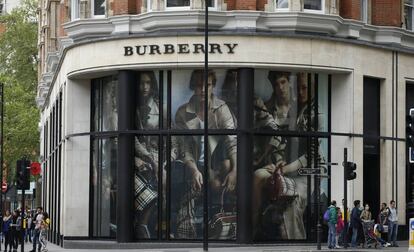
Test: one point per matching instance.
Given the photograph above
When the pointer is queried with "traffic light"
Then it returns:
(22, 174)
(409, 129)
(350, 168)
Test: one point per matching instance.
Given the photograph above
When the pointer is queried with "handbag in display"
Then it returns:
(144, 193)
(282, 187)
(223, 225)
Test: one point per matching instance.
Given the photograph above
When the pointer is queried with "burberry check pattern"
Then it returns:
(144, 195)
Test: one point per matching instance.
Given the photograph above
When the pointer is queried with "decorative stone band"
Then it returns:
(227, 21)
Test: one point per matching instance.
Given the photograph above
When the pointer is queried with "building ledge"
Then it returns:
(276, 22)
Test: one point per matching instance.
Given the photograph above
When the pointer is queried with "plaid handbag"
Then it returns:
(144, 193)
(281, 187)
(223, 225)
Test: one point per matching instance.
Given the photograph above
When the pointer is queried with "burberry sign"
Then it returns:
(225, 48)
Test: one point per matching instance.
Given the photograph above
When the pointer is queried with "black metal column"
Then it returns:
(125, 157)
(245, 91)
(345, 196)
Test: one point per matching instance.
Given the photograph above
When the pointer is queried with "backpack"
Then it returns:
(326, 215)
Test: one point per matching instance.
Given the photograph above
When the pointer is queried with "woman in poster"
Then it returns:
(146, 154)
(222, 149)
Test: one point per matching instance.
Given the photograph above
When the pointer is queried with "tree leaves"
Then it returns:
(18, 73)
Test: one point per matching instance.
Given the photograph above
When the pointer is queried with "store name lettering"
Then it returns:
(226, 48)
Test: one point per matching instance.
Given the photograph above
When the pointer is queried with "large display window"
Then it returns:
(171, 157)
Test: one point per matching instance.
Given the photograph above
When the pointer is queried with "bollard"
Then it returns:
(411, 231)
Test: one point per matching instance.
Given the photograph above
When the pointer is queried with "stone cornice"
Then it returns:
(302, 22)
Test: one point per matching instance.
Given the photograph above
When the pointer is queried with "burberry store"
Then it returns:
(124, 149)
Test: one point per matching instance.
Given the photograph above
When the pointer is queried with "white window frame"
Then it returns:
(321, 11)
(149, 5)
(281, 9)
(74, 10)
(411, 6)
(364, 11)
(93, 10)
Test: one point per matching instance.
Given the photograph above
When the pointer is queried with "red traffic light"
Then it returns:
(4, 187)
(35, 168)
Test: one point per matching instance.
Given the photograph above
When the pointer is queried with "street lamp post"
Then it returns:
(206, 98)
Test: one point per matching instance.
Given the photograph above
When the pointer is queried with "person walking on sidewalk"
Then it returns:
(333, 217)
(6, 231)
(392, 224)
(38, 219)
(339, 226)
(355, 222)
(15, 228)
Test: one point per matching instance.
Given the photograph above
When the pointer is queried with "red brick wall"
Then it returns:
(245, 5)
(63, 17)
(350, 9)
(139, 5)
(261, 4)
(231, 4)
(386, 12)
(125, 7)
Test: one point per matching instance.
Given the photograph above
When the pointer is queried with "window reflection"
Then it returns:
(104, 186)
(312, 4)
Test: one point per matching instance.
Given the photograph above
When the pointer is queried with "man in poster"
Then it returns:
(280, 157)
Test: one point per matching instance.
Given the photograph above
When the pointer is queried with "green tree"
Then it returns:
(18, 73)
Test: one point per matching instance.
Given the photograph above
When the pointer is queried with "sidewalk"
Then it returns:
(274, 248)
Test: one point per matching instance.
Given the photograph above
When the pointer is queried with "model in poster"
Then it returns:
(222, 150)
(146, 154)
(280, 160)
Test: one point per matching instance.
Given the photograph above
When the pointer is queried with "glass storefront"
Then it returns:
(169, 163)
(104, 161)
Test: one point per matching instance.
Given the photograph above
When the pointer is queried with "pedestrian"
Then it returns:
(6, 231)
(366, 214)
(44, 227)
(392, 224)
(15, 228)
(355, 222)
(29, 226)
(333, 217)
(343, 238)
(37, 221)
(382, 217)
(339, 226)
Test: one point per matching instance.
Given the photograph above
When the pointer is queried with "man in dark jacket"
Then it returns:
(333, 218)
(355, 222)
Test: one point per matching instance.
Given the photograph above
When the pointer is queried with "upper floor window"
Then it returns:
(314, 5)
(178, 4)
(184, 4)
(98, 8)
(75, 9)
(409, 13)
(364, 11)
(282, 5)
